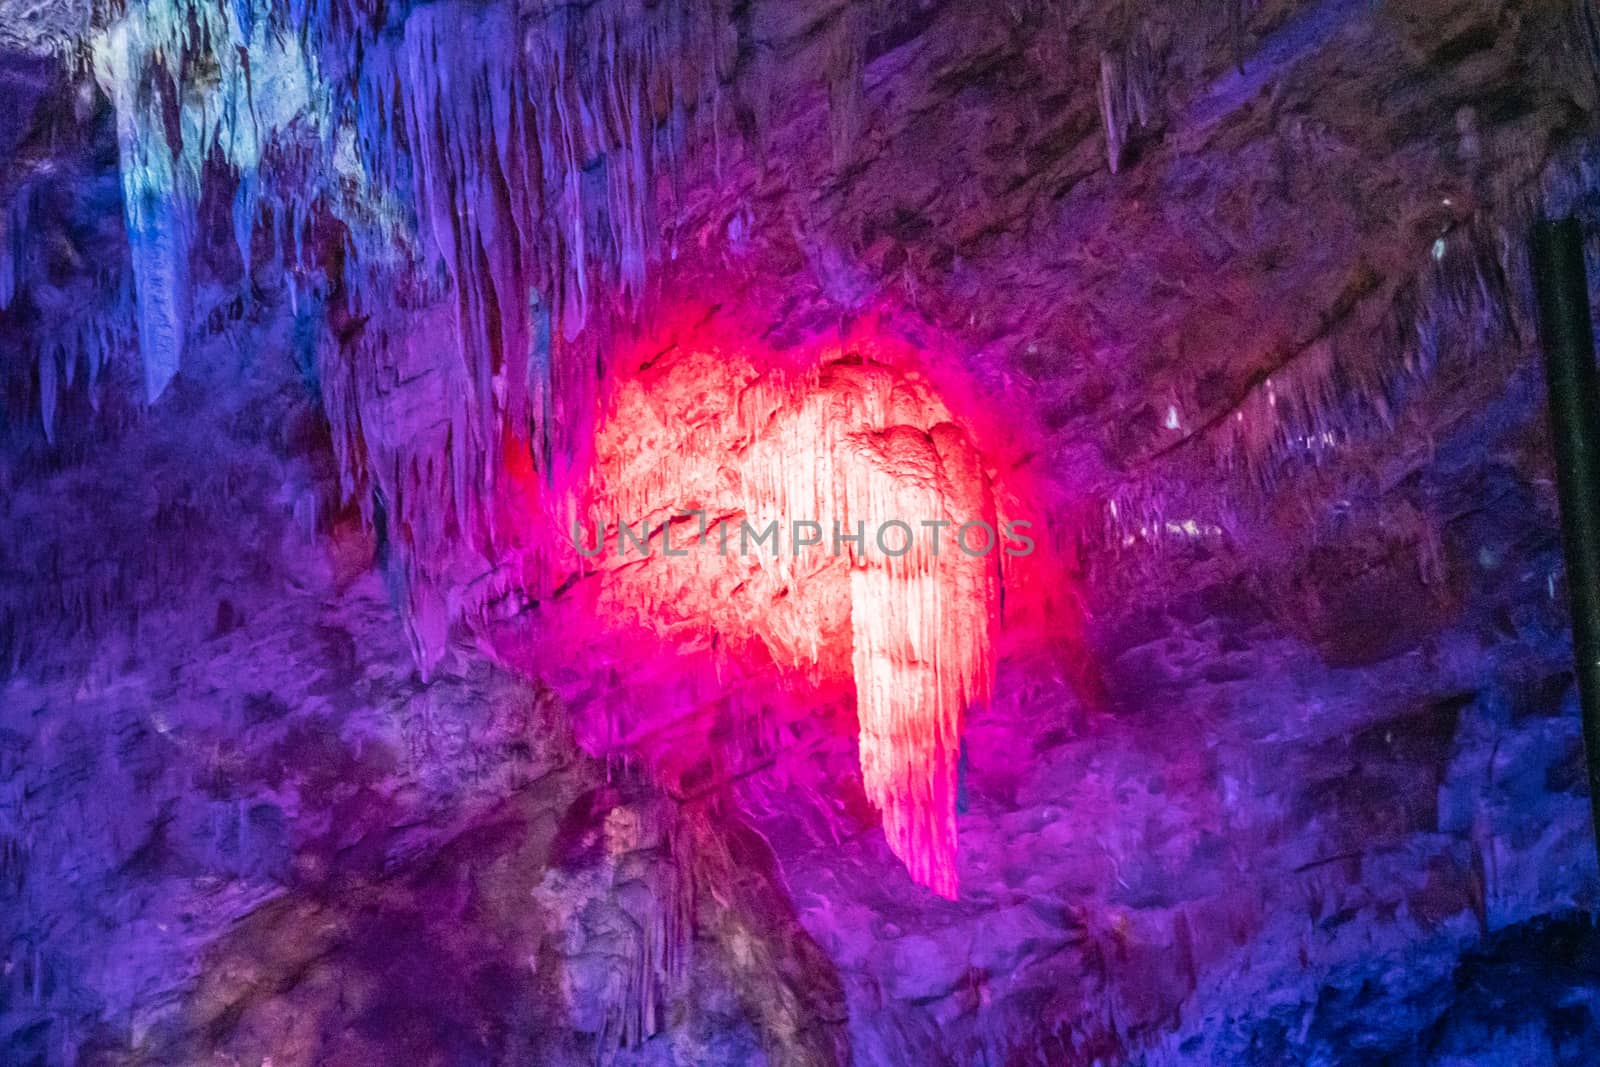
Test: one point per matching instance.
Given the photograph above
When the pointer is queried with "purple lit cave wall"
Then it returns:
(904, 533)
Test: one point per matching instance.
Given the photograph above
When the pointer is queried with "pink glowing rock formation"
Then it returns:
(869, 480)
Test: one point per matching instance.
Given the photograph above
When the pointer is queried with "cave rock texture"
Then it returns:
(906, 533)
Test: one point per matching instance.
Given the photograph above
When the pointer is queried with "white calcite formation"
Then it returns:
(322, 322)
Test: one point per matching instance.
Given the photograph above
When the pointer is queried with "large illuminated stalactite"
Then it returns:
(906, 612)
(921, 642)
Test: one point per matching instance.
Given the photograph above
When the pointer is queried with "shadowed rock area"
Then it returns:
(322, 323)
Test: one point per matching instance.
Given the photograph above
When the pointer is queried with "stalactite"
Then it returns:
(641, 890)
(845, 75)
(659, 962)
(11, 230)
(852, 442)
(210, 65)
(158, 197)
(1129, 93)
(1586, 25)
(922, 647)
(47, 393)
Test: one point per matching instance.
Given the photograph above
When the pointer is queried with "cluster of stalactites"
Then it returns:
(87, 336)
(513, 187)
(229, 83)
(524, 185)
(1129, 93)
(643, 890)
(549, 154)
(1463, 300)
(489, 203)
(1350, 384)
(90, 323)
(659, 965)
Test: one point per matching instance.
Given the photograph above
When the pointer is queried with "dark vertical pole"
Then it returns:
(1568, 335)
